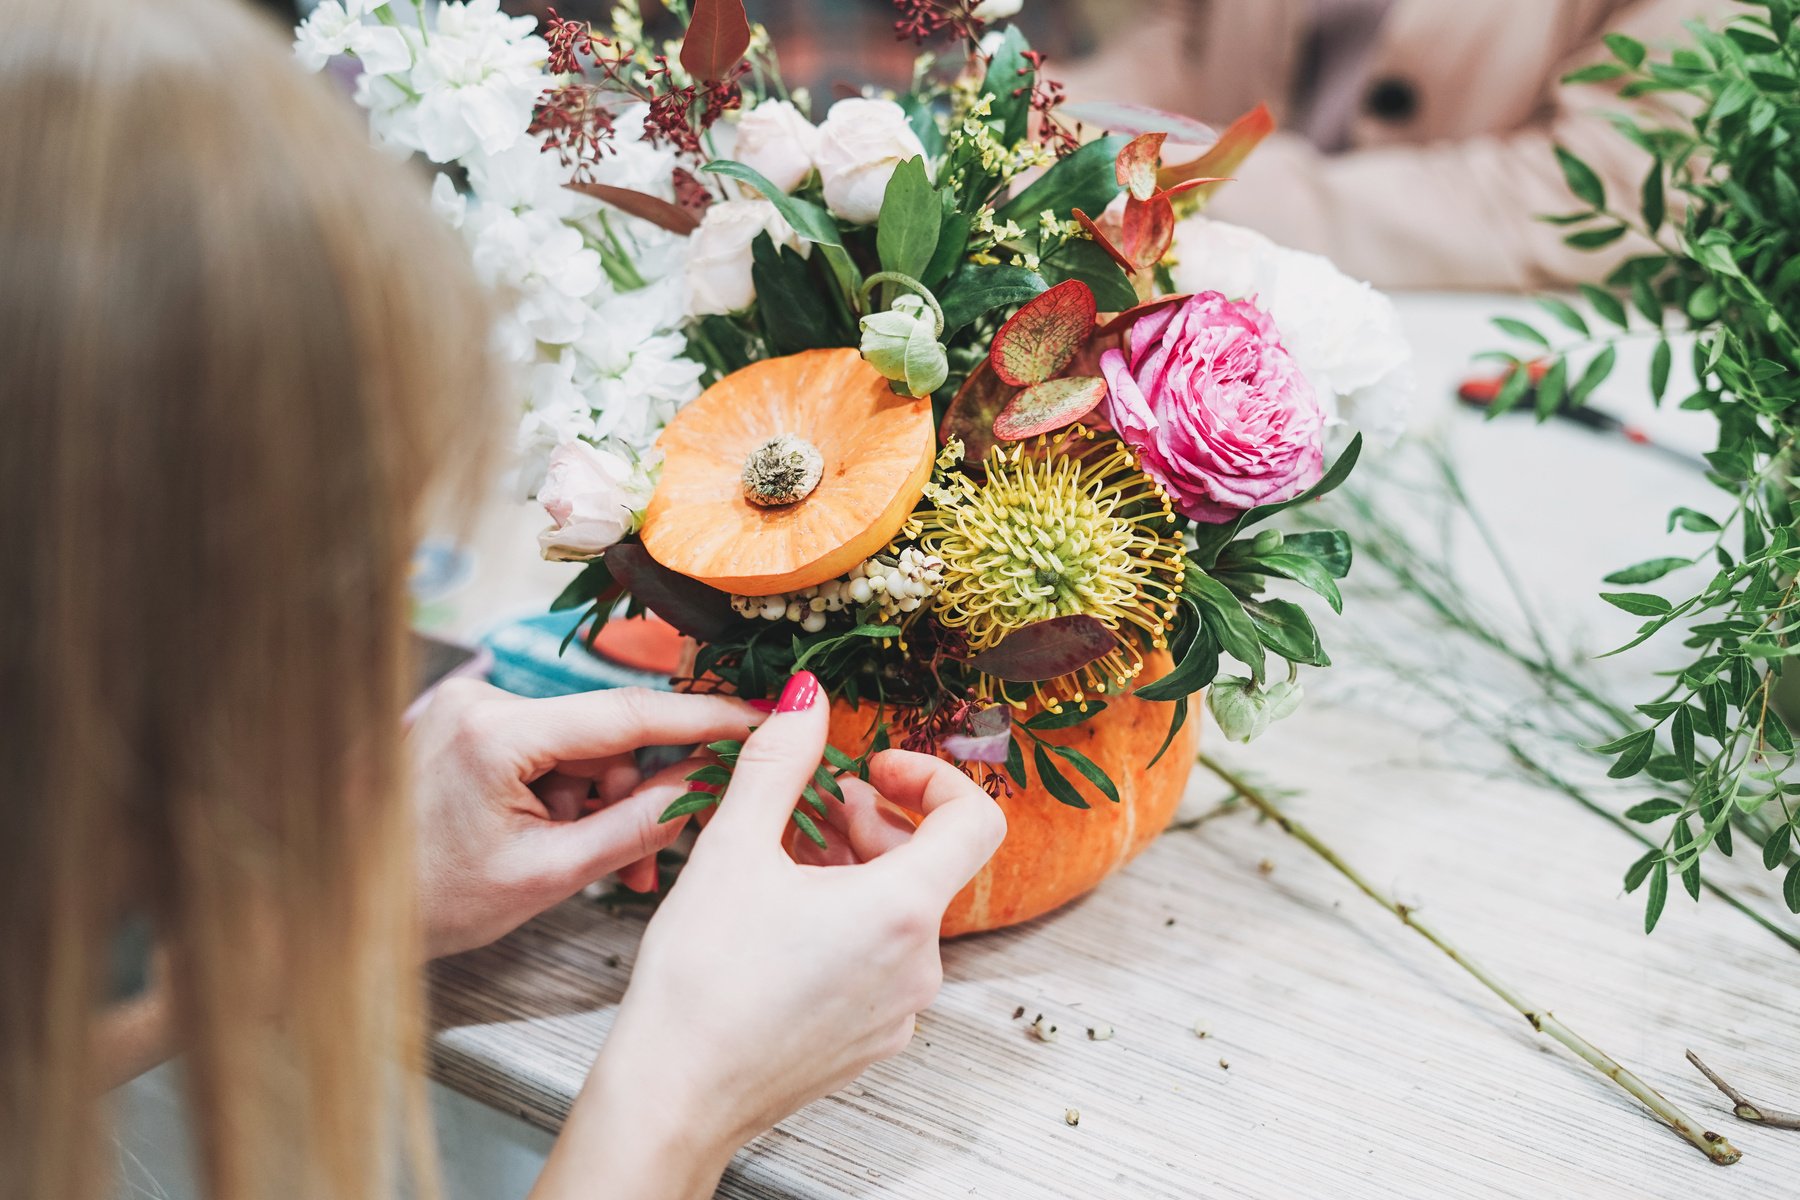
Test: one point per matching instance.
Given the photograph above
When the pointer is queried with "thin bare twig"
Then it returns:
(1744, 1108)
(1713, 1145)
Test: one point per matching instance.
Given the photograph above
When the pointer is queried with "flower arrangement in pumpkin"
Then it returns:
(965, 453)
(952, 398)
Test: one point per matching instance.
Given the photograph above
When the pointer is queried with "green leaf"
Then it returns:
(1176, 721)
(687, 804)
(1330, 546)
(1518, 380)
(1606, 304)
(1650, 569)
(1638, 604)
(1634, 750)
(808, 219)
(1659, 370)
(1597, 73)
(1627, 50)
(713, 773)
(1054, 781)
(1015, 761)
(1681, 734)
(1581, 179)
(1083, 180)
(1659, 896)
(1284, 627)
(1224, 615)
(1652, 197)
(1088, 768)
(1652, 810)
(975, 290)
(1790, 888)
(1563, 312)
(1598, 368)
(1640, 870)
(838, 759)
(795, 312)
(1551, 388)
(1009, 80)
(953, 240)
(1069, 717)
(911, 217)
(1776, 848)
(1303, 569)
(1084, 259)
(1692, 521)
(585, 588)
(1520, 329)
(825, 782)
(809, 829)
(1334, 475)
(1593, 239)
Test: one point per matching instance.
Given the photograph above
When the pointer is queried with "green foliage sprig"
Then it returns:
(1721, 207)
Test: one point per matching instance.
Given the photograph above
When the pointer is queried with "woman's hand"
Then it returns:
(502, 785)
(763, 984)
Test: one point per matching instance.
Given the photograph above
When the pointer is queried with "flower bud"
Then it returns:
(1244, 711)
(902, 344)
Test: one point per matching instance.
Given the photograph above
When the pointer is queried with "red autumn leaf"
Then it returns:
(1104, 242)
(1141, 118)
(1146, 230)
(1050, 405)
(1226, 154)
(1125, 319)
(971, 415)
(692, 607)
(1188, 185)
(1041, 338)
(716, 38)
(653, 209)
(1046, 649)
(1135, 168)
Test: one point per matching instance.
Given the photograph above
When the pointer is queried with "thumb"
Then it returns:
(776, 764)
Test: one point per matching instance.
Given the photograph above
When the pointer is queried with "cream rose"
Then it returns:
(776, 142)
(718, 263)
(593, 496)
(860, 144)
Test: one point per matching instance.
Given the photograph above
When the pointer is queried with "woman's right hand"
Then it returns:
(763, 984)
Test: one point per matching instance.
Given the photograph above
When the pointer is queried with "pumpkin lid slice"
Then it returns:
(788, 473)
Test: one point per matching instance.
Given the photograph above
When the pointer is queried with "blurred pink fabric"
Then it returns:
(1443, 120)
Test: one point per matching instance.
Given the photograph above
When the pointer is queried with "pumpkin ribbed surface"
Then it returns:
(877, 449)
(1052, 852)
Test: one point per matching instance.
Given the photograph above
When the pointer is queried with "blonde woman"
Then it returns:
(237, 358)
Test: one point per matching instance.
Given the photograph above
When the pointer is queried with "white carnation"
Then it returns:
(337, 27)
(1345, 335)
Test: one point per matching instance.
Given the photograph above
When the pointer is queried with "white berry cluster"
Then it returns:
(898, 583)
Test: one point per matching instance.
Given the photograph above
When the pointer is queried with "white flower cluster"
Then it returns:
(895, 583)
(1343, 333)
(597, 298)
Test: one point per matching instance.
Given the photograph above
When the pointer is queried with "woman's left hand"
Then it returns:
(502, 785)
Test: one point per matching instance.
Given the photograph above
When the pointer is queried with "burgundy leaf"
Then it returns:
(1039, 340)
(1125, 319)
(716, 38)
(971, 415)
(1146, 230)
(1048, 406)
(695, 609)
(1046, 649)
(653, 209)
(1135, 168)
(1232, 148)
(1105, 243)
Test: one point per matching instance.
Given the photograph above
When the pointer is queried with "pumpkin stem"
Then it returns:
(783, 470)
(911, 285)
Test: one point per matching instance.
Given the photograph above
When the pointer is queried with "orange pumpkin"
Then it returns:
(820, 415)
(1052, 852)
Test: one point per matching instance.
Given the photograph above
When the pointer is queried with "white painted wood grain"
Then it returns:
(1361, 1063)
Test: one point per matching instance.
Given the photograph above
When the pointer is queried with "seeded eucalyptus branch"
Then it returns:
(1721, 208)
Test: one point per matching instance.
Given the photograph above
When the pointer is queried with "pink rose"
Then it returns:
(588, 493)
(1217, 410)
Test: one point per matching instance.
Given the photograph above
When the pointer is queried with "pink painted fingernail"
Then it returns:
(767, 706)
(801, 690)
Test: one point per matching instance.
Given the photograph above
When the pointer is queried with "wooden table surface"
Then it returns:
(1343, 1056)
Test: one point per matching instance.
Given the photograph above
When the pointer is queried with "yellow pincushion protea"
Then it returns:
(1065, 524)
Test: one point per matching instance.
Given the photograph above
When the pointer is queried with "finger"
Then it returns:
(777, 762)
(547, 732)
(868, 821)
(640, 876)
(563, 796)
(962, 826)
(837, 850)
(579, 852)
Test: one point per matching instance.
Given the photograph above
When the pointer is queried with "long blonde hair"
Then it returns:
(235, 351)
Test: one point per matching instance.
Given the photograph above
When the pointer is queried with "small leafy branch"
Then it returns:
(711, 780)
(1721, 209)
